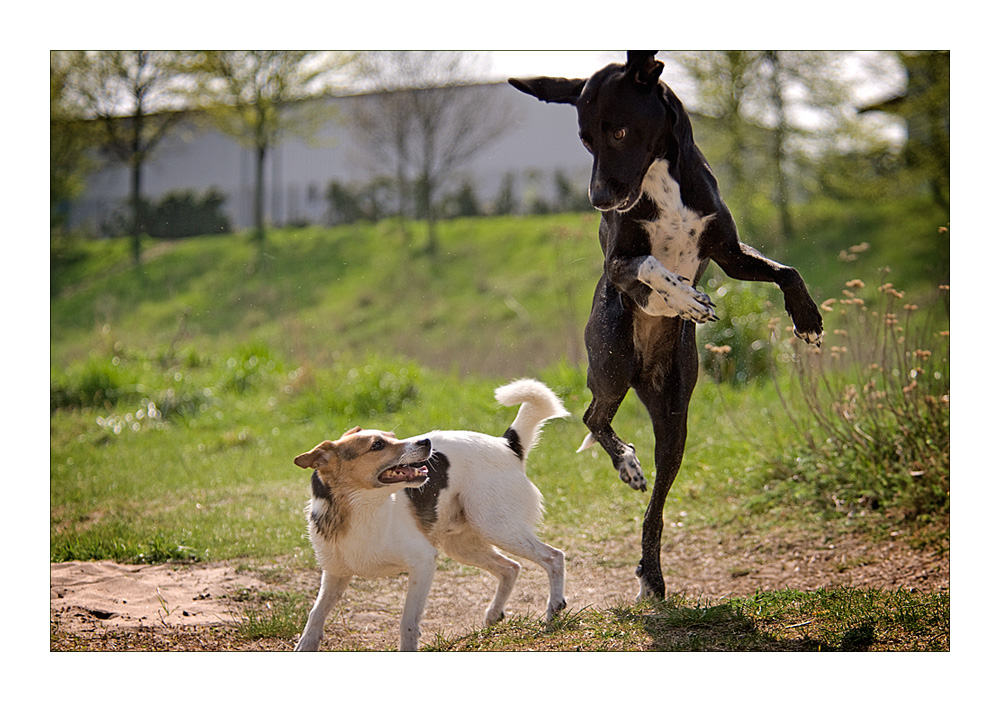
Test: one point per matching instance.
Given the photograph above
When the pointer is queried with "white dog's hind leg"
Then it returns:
(330, 589)
(552, 560)
(472, 550)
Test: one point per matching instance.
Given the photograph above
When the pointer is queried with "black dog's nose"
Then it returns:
(600, 195)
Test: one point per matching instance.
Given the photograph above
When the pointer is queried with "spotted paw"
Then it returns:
(629, 469)
(810, 337)
(682, 300)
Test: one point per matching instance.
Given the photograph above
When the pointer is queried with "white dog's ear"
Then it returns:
(350, 431)
(321, 455)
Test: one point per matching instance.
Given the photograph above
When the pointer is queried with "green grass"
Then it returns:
(180, 394)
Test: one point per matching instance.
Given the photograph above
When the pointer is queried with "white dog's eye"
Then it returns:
(378, 445)
(619, 134)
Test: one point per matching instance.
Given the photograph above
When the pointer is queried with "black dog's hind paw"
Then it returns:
(630, 471)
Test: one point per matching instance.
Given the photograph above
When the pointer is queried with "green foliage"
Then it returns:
(252, 366)
(736, 348)
(99, 382)
(372, 388)
(144, 388)
(183, 214)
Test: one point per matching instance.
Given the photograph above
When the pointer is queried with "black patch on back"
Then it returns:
(514, 441)
(424, 499)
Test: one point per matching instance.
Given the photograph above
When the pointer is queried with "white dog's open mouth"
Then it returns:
(404, 473)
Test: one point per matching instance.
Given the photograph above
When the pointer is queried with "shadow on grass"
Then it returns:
(724, 627)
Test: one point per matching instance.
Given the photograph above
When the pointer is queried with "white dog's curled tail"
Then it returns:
(538, 404)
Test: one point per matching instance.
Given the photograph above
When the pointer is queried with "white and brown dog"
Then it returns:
(382, 506)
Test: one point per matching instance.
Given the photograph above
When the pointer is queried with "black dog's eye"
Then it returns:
(619, 134)
(378, 445)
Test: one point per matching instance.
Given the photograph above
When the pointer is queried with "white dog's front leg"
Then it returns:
(421, 576)
(330, 589)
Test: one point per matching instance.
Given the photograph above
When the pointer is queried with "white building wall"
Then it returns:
(541, 140)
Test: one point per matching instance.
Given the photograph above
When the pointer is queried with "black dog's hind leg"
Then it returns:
(598, 418)
(611, 367)
(668, 410)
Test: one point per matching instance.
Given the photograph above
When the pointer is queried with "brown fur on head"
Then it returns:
(364, 460)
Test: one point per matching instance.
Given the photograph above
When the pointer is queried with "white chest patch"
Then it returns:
(674, 235)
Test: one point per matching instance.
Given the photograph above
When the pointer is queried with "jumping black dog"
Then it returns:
(662, 221)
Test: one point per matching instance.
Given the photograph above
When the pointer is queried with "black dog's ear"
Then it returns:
(564, 90)
(643, 67)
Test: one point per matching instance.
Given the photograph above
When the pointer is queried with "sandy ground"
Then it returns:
(92, 600)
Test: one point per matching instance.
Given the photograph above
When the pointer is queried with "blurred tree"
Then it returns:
(464, 202)
(251, 93)
(924, 104)
(420, 125)
(120, 91)
(570, 197)
(774, 110)
(68, 141)
(506, 202)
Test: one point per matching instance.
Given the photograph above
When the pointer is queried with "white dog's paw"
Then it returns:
(307, 644)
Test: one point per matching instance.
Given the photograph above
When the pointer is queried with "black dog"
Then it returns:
(662, 221)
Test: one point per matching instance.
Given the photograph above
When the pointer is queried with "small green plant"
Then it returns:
(99, 382)
(250, 367)
(266, 615)
(367, 389)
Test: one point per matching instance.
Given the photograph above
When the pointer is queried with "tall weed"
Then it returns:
(872, 406)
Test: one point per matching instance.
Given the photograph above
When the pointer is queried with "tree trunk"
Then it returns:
(780, 134)
(258, 202)
(428, 188)
(135, 196)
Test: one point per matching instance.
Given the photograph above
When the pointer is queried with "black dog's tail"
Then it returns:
(538, 404)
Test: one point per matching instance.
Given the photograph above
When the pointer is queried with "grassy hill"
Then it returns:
(504, 296)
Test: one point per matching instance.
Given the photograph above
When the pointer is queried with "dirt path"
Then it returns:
(168, 607)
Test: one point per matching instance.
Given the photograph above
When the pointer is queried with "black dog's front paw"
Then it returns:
(810, 337)
(807, 321)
